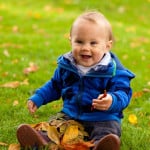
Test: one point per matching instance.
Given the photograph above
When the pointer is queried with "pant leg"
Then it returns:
(97, 130)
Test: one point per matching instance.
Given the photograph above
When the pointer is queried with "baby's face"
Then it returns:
(89, 42)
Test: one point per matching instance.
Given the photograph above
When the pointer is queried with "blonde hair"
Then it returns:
(96, 17)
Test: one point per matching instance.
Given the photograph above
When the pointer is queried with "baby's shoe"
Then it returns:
(29, 137)
(108, 142)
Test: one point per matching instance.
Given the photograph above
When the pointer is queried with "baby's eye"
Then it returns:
(79, 41)
(93, 43)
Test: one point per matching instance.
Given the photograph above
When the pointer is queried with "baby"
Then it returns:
(93, 84)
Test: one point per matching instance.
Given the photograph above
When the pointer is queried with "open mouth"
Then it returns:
(86, 56)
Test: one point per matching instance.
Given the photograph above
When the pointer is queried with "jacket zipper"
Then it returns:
(79, 97)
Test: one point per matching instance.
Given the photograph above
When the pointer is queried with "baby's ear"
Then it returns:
(109, 45)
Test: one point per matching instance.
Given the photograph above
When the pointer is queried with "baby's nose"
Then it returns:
(86, 46)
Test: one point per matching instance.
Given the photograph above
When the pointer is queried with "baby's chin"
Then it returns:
(86, 64)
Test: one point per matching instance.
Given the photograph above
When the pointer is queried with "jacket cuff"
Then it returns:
(37, 100)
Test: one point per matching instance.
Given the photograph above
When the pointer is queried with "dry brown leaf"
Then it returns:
(40, 126)
(137, 94)
(146, 90)
(13, 84)
(5, 74)
(32, 68)
(14, 146)
(3, 144)
(53, 134)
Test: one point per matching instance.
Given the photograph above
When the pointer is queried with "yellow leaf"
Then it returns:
(14, 146)
(53, 134)
(132, 119)
(15, 103)
(40, 126)
(6, 53)
(71, 134)
(3, 144)
(37, 16)
(25, 82)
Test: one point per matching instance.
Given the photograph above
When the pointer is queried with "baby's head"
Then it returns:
(91, 37)
(97, 18)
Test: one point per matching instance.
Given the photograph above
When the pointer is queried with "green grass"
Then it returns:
(36, 31)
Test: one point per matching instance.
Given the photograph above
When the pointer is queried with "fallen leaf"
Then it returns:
(25, 82)
(3, 144)
(15, 103)
(13, 84)
(32, 68)
(37, 16)
(146, 90)
(14, 146)
(6, 53)
(137, 94)
(79, 146)
(5, 74)
(15, 61)
(132, 119)
(71, 134)
(15, 29)
(148, 83)
(40, 126)
(53, 134)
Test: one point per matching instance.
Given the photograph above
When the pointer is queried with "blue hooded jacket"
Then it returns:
(77, 90)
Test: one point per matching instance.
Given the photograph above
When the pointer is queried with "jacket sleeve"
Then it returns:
(50, 91)
(120, 91)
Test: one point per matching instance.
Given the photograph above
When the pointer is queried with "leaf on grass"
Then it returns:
(25, 82)
(5, 74)
(53, 134)
(148, 83)
(32, 68)
(15, 29)
(70, 134)
(137, 94)
(132, 119)
(14, 146)
(15, 61)
(146, 90)
(43, 126)
(6, 53)
(15, 103)
(13, 84)
(131, 29)
(67, 35)
(3, 144)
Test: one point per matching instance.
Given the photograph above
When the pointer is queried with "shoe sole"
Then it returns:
(29, 137)
(109, 142)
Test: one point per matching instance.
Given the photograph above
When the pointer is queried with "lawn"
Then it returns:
(32, 36)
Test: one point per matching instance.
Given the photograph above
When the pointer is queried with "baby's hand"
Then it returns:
(102, 102)
(31, 106)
